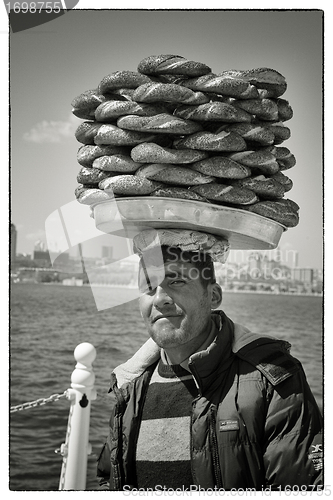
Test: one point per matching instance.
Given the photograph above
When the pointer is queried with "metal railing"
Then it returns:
(76, 448)
(38, 402)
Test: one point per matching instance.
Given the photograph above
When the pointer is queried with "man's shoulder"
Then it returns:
(271, 357)
(268, 355)
(143, 360)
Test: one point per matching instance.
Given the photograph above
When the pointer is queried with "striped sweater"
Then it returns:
(163, 448)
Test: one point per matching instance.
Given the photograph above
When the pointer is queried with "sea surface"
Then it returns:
(49, 321)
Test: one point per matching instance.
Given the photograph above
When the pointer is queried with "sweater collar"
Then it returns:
(203, 347)
(205, 365)
(226, 343)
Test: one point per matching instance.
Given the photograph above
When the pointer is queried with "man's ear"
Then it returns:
(216, 295)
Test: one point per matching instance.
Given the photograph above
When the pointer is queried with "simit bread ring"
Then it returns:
(283, 156)
(269, 81)
(284, 109)
(208, 141)
(88, 153)
(178, 79)
(169, 92)
(162, 123)
(251, 132)
(88, 196)
(153, 153)
(264, 109)
(91, 176)
(261, 160)
(111, 110)
(285, 181)
(172, 65)
(129, 185)
(111, 134)
(220, 193)
(123, 93)
(122, 79)
(222, 167)
(291, 204)
(283, 211)
(86, 132)
(213, 111)
(85, 104)
(178, 192)
(172, 174)
(280, 131)
(118, 163)
(221, 84)
(265, 188)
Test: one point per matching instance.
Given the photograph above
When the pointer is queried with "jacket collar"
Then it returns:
(149, 353)
(208, 365)
(231, 339)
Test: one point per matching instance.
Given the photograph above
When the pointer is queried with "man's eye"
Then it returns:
(178, 282)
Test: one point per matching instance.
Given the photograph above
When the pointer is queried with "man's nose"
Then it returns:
(161, 297)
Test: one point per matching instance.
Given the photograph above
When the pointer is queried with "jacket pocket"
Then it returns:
(103, 461)
(115, 476)
(103, 467)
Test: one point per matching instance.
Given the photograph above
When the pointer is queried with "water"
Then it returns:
(49, 321)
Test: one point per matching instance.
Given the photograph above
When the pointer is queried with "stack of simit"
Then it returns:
(174, 129)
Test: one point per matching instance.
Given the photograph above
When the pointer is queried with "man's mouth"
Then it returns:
(165, 316)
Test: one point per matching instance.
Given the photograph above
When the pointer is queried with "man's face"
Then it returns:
(177, 311)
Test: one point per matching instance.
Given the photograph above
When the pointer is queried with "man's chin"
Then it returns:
(164, 336)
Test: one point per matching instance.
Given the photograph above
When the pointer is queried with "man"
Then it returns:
(205, 403)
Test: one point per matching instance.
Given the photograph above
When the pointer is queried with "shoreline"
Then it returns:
(102, 285)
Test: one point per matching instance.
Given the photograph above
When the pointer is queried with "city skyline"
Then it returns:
(43, 146)
(103, 249)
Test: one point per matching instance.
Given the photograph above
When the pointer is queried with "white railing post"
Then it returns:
(76, 449)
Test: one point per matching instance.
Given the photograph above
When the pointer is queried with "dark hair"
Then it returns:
(202, 261)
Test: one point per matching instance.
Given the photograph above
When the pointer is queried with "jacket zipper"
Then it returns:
(194, 402)
(212, 431)
(215, 455)
(118, 417)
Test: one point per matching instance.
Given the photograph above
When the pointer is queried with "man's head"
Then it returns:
(154, 260)
(179, 291)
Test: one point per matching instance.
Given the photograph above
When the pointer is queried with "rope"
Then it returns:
(38, 402)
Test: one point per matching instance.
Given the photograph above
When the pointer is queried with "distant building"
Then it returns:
(13, 242)
(268, 266)
(39, 246)
(255, 261)
(305, 275)
(277, 255)
(41, 256)
(62, 258)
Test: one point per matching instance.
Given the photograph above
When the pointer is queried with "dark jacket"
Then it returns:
(255, 423)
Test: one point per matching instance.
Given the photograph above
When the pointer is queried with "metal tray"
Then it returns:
(128, 216)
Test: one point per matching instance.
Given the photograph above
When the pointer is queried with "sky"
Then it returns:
(52, 63)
